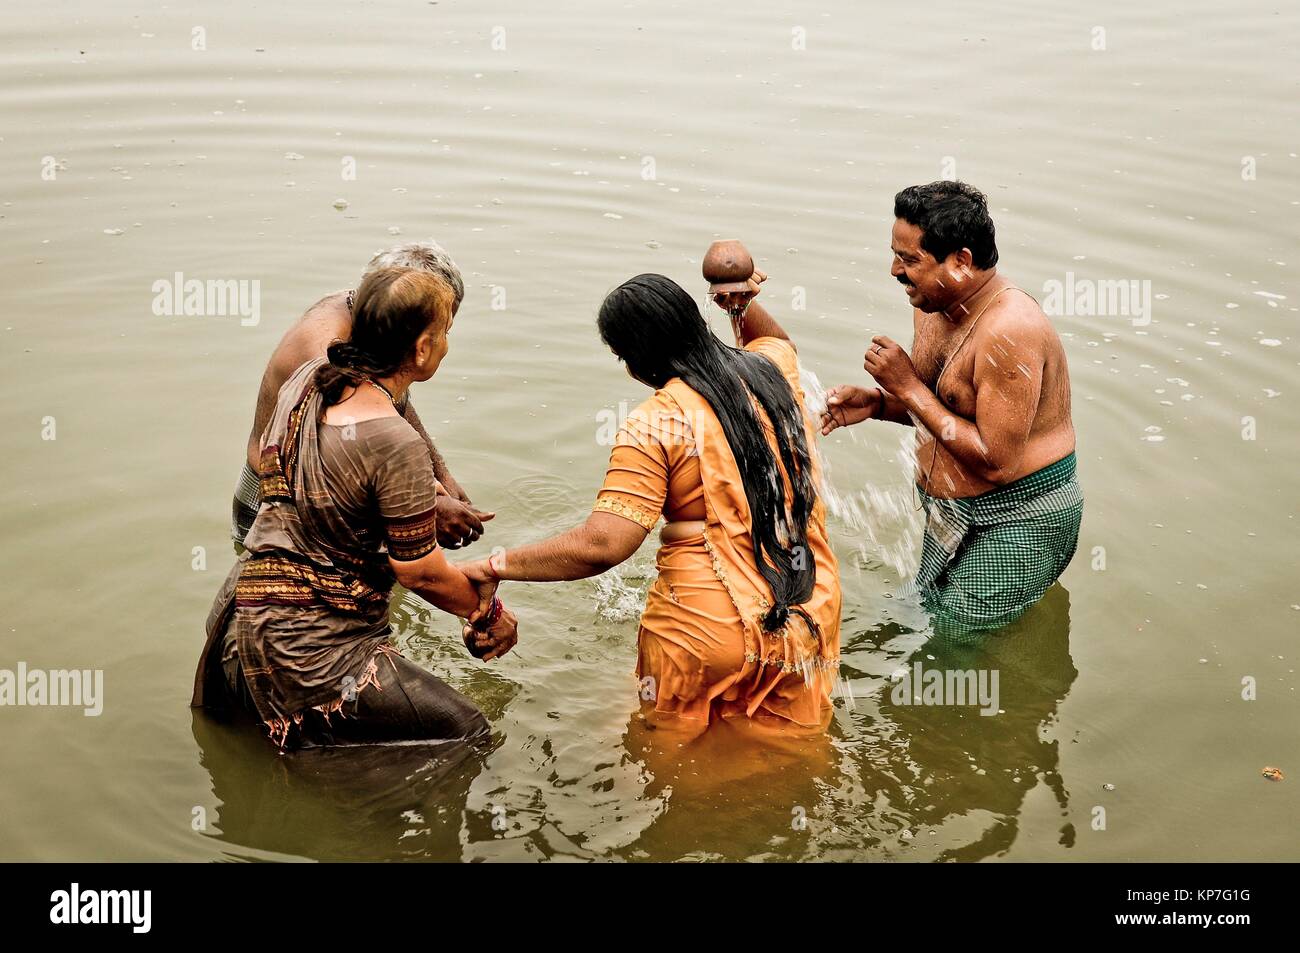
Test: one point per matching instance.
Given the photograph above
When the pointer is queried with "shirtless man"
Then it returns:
(988, 391)
(459, 521)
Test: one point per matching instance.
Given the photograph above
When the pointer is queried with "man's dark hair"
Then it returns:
(951, 216)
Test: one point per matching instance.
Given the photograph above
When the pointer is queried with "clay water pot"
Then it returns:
(728, 267)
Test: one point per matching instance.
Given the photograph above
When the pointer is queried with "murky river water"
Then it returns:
(556, 150)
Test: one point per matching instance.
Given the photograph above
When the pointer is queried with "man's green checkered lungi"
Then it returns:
(988, 558)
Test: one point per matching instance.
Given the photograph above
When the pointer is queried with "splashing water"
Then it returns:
(885, 516)
(621, 591)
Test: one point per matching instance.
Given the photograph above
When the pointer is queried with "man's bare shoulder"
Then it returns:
(1014, 338)
(332, 303)
(310, 335)
(1015, 318)
(330, 311)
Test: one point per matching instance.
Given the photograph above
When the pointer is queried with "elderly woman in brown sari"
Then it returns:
(741, 627)
(299, 634)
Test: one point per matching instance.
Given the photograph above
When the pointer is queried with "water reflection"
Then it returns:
(945, 782)
(370, 802)
(890, 781)
(729, 794)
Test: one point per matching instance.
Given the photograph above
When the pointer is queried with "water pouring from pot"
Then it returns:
(733, 280)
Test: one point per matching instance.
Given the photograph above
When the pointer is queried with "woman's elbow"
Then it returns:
(409, 577)
(603, 550)
(601, 558)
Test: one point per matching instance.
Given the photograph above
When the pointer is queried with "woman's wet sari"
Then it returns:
(300, 628)
(704, 658)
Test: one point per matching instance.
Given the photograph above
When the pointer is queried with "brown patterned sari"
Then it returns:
(301, 623)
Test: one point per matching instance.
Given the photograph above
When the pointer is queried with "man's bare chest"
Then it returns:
(941, 360)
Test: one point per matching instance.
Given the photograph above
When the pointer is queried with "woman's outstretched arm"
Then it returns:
(437, 581)
(601, 543)
(444, 585)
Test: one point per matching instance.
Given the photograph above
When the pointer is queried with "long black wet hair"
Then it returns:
(654, 326)
(392, 308)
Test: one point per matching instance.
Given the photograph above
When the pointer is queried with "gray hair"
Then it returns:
(421, 256)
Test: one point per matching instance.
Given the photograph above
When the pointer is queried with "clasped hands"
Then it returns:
(487, 641)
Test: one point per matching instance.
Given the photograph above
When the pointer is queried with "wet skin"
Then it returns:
(987, 375)
(459, 521)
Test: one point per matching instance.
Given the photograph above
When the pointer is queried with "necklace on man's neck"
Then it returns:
(966, 307)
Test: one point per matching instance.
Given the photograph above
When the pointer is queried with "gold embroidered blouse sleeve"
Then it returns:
(636, 483)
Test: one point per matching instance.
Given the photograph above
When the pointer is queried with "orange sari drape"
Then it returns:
(703, 656)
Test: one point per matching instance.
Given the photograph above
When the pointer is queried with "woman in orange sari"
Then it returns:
(742, 624)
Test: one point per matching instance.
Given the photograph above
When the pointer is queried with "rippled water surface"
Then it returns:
(557, 149)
